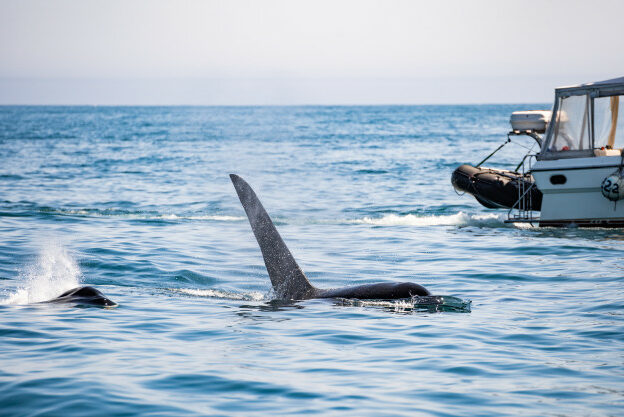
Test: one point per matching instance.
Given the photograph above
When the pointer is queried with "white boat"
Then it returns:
(578, 171)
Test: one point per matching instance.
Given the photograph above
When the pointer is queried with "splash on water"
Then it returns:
(431, 304)
(437, 303)
(53, 272)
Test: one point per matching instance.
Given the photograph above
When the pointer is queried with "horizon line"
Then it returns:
(278, 105)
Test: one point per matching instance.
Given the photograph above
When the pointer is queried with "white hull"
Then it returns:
(579, 200)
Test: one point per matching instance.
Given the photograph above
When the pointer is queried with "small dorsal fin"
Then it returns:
(287, 278)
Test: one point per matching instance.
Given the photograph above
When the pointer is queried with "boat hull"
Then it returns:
(572, 192)
(605, 223)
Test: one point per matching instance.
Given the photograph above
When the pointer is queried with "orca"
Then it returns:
(287, 278)
(83, 296)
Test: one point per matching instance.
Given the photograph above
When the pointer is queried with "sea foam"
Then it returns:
(458, 219)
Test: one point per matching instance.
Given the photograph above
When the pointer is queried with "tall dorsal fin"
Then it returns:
(287, 278)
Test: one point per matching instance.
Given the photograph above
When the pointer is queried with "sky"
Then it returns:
(241, 52)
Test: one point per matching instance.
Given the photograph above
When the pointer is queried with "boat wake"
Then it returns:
(53, 272)
(458, 219)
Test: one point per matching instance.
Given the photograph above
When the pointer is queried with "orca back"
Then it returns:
(379, 291)
(83, 296)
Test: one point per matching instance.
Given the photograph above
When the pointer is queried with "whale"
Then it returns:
(288, 279)
(83, 296)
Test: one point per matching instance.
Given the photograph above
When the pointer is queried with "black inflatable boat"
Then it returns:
(496, 188)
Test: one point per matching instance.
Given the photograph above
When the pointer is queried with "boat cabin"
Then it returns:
(585, 121)
(578, 176)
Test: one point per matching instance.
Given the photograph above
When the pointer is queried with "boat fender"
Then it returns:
(613, 186)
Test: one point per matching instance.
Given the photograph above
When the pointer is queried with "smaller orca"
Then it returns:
(288, 280)
(83, 296)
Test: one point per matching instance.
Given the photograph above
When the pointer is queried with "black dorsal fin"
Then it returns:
(287, 278)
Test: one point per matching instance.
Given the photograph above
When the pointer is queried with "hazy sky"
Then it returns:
(300, 52)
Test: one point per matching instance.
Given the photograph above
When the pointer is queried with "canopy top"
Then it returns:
(613, 86)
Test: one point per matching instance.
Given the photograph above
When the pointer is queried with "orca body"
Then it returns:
(287, 278)
(382, 291)
(83, 296)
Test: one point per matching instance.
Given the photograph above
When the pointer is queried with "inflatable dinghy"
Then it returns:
(496, 188)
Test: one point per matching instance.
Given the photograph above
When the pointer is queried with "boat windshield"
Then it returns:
(572, 124)
(586, 125)
(608, 123)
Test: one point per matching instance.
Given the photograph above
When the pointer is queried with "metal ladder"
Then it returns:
(520, 212)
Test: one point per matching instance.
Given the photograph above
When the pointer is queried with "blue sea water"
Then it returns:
(137, 202)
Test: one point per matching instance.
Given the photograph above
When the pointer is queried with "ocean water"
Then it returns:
(137, 202)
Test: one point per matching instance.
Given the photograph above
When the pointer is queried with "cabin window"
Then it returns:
(608, 122)
(572, 124)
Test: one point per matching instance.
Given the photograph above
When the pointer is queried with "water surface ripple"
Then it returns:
(137, 202)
